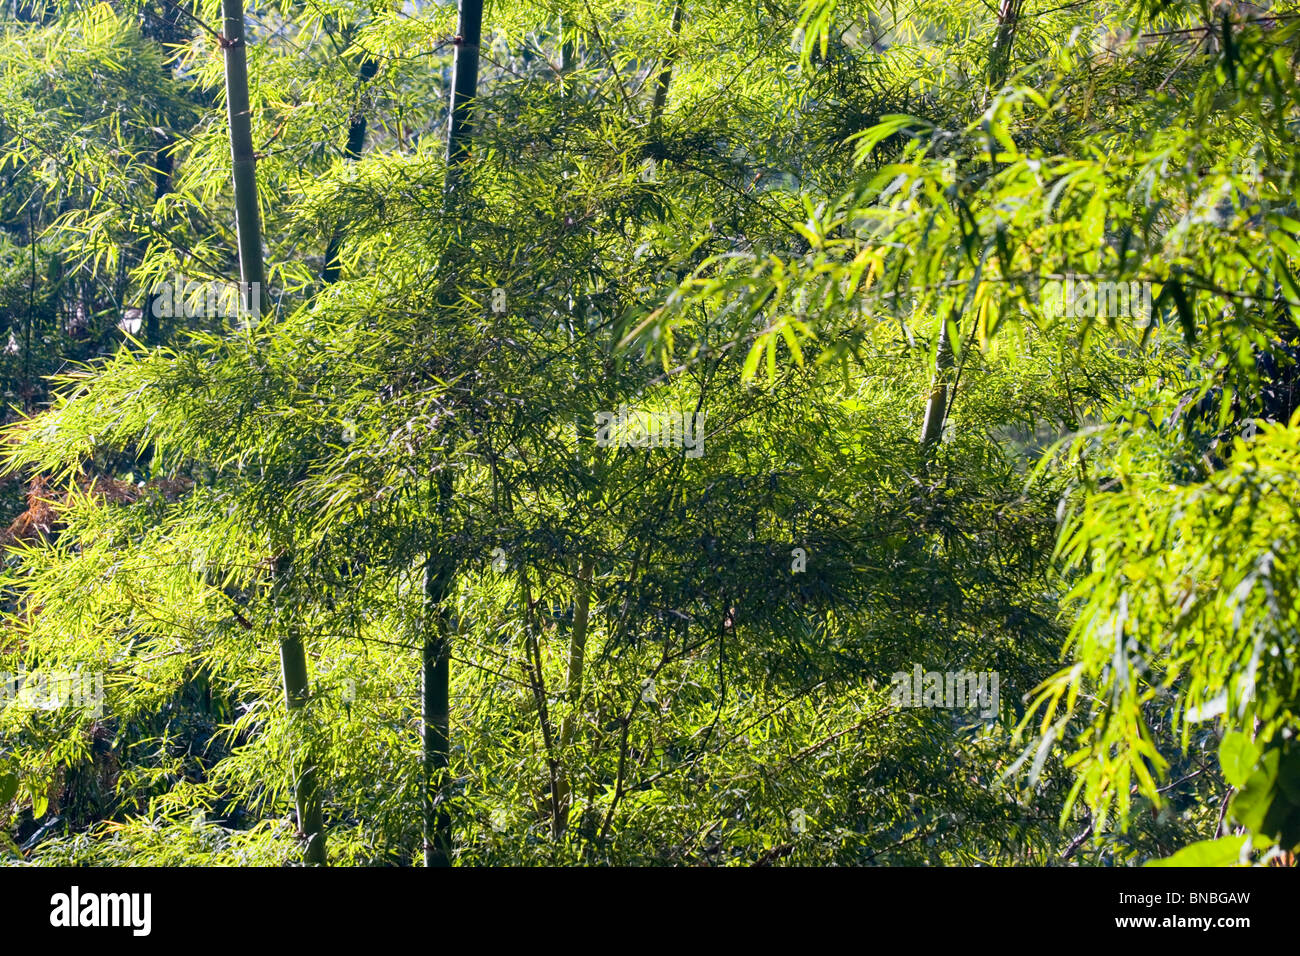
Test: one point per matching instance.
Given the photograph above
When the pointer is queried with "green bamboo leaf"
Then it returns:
(1225, 851)
(752, 359)
(8, 787)
(1237, 756)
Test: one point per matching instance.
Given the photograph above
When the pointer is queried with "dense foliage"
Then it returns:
(839, 246)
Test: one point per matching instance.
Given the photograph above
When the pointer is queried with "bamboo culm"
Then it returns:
(252, 273)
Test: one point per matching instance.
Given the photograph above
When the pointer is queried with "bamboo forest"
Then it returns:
(586, 433)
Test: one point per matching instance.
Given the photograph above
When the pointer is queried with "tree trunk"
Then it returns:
(162, 185)
(439, 572)
(573, 688)
(248, 220)
(351, 152)
(293, 668)
(435, 687)
(665, 76)
(936, 405)
(163, 28)
(1000, 57)
(248, 229)
(464, 87)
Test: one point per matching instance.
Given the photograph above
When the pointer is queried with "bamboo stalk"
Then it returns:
(937, 402)
(436, 683)
(435, 697)
(248, 219)
(248, 229)
(351, 152)
(573, 688)
(665, 75)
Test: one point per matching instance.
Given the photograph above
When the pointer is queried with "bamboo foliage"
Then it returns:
(571, 510)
